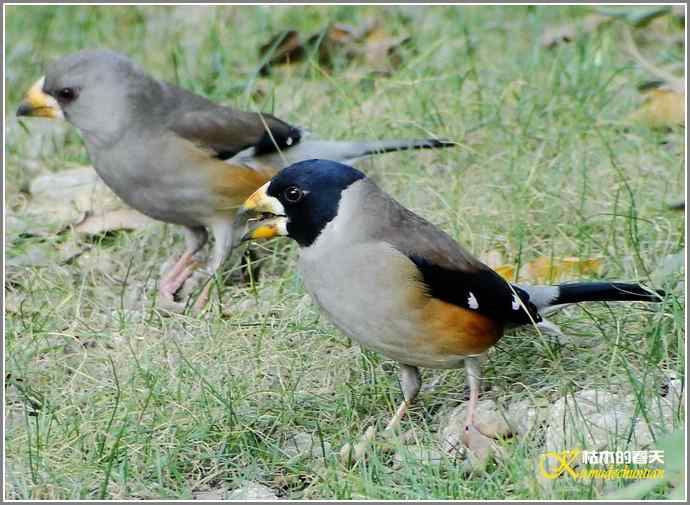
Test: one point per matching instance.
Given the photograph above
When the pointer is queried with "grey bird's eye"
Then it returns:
(67, 94)
(293, 194)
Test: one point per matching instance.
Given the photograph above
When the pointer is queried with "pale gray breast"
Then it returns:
(158, 176)
(361, 287)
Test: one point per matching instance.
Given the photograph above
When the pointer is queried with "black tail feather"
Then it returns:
(606, 291)
(406, 145)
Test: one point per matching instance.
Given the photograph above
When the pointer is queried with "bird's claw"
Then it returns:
(350, 456)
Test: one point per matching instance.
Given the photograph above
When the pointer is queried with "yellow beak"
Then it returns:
(39, 104)
(270, 220)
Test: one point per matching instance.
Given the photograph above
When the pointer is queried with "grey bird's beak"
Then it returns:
(39, 104)
(260, 217)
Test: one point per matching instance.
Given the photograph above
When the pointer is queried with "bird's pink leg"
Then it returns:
(183, 268)
(203, 298)
(473, 370)
(173, 279)
(479, 446)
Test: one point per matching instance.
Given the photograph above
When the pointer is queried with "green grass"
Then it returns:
(107, 397)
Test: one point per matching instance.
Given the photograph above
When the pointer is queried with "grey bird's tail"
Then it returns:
(363, 149)
(550, 297)
(336, 150)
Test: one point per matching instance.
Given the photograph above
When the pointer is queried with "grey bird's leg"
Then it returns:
(411, 382)
(222, 233)
(195, 239)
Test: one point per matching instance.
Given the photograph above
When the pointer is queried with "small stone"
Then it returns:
(97, 260)
(488, 416)
(524, 417)
(246, 305)
(306, 444)
(34, 257)
(417, 455)
(211, 494)
(597, 420)
(252, 491)
(670, 267)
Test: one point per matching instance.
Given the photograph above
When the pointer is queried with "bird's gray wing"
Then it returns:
(449, 272)
(224, 130)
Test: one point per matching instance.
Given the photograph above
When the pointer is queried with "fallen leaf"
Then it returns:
(506, 271)
(286, 47)
(120, 219)
(381, 50)
(369, 42)
(568, 32)
(550, 270)
(662, 108)
(289, 47)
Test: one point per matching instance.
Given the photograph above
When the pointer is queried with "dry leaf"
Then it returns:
(567, 32)
(550, 270)
(506, 271)
(370, 42)
(289, 47)
(662, 108)
(286, 47)
(381, 50)
(120, 219)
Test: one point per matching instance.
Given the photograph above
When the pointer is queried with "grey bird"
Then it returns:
(176, 156)
(396, 283)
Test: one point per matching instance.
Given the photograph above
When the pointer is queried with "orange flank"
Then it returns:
(458, 331)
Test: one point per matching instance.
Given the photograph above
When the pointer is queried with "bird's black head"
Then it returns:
(304, 197)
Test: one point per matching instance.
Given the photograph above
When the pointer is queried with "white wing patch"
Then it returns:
(288, 141)
(472, 301)
(516, 303)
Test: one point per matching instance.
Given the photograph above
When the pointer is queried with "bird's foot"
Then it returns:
(170, 305)
(168, 275)
(171, 284)
(202, 299)
(479, 447)
(350, 455)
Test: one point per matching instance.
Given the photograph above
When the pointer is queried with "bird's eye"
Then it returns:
(67, 94)
(293, 194)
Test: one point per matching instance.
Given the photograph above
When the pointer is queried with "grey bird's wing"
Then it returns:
(224, 130)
